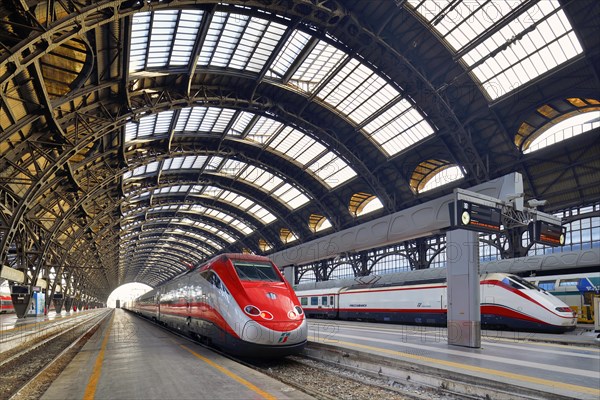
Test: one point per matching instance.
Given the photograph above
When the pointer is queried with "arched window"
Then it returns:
(317, 223)
(434, 173)
(557, 121)
(363, 203)
(287, 236)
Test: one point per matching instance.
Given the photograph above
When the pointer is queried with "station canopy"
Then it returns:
(139, 138)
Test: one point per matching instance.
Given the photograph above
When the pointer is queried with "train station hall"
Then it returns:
(299, 199)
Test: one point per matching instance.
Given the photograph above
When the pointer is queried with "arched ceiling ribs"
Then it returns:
(174, 214)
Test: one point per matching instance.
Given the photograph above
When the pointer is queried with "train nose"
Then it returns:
(274, 333)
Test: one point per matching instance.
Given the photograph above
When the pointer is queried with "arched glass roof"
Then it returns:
(505, 44)
(305, 64)
(283, 140)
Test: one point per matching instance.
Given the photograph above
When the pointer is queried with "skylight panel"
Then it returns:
(260, 178)
(537, 40)
(212, 37)
(172, 189)
(148, 126)
(398, 128)
(240, 124)
(320, 62)
(291, 196)
(241, 202)
(288, 54)
(232, 167)
(263, 129)
(187, 162)
(204, 119)
(262, 214)
(185, 38)
(357, 91)
(223, 217)
(140, 29)
(161, 37)
(143, 170)
(550, 44)
(332, 170)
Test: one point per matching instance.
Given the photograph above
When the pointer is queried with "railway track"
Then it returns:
(29, 368)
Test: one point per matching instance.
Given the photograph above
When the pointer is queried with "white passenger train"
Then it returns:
(507, 302)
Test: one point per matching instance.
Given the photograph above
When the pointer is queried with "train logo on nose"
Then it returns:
(271, 295)
(284, 337)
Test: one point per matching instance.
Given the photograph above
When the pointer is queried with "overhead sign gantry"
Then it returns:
(471, 213)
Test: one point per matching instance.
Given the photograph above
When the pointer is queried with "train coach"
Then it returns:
(239, 303)
(507, 302)
(6, 304)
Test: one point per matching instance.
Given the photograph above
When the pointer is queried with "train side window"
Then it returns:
(331, 300)
(314, 301)
(568, 282)
(547, 285)
(304, 301)
(324, 300)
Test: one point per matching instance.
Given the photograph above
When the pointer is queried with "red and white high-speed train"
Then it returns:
(507, 302)
(6, 305)
(239, 303)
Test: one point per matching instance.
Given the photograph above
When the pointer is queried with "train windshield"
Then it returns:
(522, 282)
(256, 271)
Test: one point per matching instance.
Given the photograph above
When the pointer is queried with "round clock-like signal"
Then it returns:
(561, 239)
(465, 217)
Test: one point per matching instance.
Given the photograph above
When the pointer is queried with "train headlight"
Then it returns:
(252, 310)
(292, 314)
(266, 315)
(563, 309)
(299, 310)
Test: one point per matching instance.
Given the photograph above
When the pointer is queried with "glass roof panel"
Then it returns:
(292, 143)
(288, 54)
(201, 238)
(331, 169)
(263, 130)
(221, 216)
(185, 37)
(238, 200)
(291, 196)
(240, 123)
(246, 42)
(204, 119)
(321, 61)
(140, 28)
(163, 38)
(357, 91)
(398, 128)
(535, 41)
(152, 125)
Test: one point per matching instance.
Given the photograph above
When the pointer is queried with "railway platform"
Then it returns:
(530, 365)
(130, 358)
(17, 331)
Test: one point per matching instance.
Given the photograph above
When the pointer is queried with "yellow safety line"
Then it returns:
(519, 377)
(90, 390)
(232, 375)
